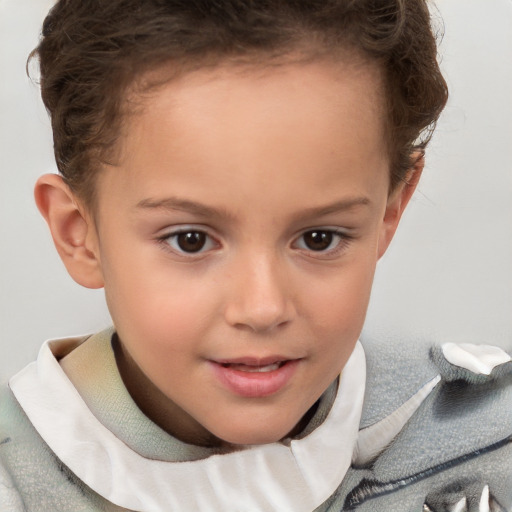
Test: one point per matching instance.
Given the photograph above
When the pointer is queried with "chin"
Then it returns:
(243, 439)
(254, 433)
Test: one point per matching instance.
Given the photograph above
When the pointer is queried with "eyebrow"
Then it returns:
(184, 205)
(336, 207)
(202, 210)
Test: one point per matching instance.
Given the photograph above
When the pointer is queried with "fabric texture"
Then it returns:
(426, 443)
(295, 475)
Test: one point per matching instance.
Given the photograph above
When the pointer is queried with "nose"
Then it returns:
(260, 298)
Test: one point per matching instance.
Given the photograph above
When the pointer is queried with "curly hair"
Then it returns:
(92, 51)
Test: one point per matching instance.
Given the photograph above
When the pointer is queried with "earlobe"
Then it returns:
(73, 233)
(397, 202)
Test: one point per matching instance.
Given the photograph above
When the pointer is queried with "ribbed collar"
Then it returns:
(93, 426)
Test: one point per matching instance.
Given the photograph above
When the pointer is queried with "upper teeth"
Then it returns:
(247, 368)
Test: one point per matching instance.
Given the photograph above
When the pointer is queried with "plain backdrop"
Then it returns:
(447, 275)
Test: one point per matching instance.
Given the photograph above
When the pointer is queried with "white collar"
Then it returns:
(295, 478)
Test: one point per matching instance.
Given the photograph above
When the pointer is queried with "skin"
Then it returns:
(255, 159)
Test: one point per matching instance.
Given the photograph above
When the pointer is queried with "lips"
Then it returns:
(251, 377)
(254, 368)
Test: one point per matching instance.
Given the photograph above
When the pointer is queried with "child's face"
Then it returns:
(238, 238)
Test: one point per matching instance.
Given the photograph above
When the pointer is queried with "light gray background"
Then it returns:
(447, 275)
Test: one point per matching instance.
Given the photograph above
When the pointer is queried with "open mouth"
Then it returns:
(252, 377)
(254, 368)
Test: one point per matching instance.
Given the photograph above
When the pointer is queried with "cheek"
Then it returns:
(340, 303)
(338, 320)
(151, 303)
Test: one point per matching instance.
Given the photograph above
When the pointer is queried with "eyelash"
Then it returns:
(170, 242)
(168, 239)
(343, 240)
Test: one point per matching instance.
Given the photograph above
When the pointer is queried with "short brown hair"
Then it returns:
(92, 50)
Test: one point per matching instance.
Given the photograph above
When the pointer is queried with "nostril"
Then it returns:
(259, 325)
(260, 298)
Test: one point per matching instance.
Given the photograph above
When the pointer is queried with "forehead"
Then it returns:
(250, 123)
(210, 91)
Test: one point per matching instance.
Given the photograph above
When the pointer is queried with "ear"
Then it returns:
(73, 231)
(397, 202)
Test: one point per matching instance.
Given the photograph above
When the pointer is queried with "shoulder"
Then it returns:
(455, 442)
(472, 377)
(32, 478)
(10, 498)
(18, 446)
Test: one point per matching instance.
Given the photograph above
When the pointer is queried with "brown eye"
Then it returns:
(318, 240)
(188, 241)
(191, 241)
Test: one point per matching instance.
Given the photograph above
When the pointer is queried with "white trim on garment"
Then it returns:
(479, 359)
(294, 478)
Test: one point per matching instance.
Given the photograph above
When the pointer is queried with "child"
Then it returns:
(230, 174)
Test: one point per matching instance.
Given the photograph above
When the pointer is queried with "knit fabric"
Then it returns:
(452, 453)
